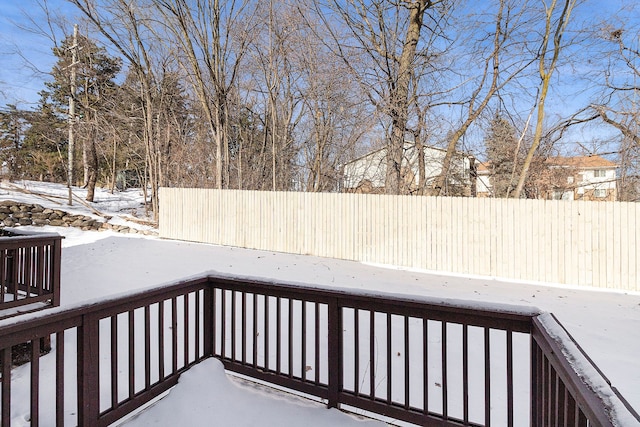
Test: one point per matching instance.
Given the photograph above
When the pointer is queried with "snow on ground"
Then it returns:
(207, 388)
(96, 264)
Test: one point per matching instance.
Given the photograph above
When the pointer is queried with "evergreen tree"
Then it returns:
(501, 145)
(96, 91)
(13, 124)
(43, 152)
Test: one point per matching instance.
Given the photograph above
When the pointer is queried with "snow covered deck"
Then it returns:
(605, 324)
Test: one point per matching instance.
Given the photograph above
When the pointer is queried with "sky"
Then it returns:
(606, 324)
(27, 57)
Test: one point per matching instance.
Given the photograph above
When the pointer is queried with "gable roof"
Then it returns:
(582, 162)
(406, 146)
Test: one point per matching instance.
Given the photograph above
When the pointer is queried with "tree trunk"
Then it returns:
(400, 97)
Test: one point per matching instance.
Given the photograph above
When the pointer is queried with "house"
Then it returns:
(367, 174)
(590, 178)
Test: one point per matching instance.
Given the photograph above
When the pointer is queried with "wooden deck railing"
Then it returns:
(29, 271)
(421, 361)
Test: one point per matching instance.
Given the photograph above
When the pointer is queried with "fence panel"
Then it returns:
(569, 242)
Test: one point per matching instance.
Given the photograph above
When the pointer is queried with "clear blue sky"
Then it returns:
(27, 57)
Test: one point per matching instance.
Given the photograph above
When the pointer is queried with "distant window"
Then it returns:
(600, 192)
(599, 173)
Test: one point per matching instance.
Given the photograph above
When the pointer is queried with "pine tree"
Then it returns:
(96, 90)
(501, 145)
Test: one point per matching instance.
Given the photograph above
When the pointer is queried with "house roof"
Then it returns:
(406, 146)
(582, 162)
(482, 167)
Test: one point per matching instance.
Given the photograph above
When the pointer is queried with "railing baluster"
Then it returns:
(147, 347)
(487, 378)
(510, 378)
(243, 327)
(223, 324)
(425, 373)
(40, 276)
(214, 322)
(316, 352)
(290, 336)
(254, 331)
(233, 325)
(389, 373)
(445, 403)
(174, 335)
(59, 379)
(185, 327)
(303, 322)
(197, 321)
(278, 335)
(132, 371)
(161, 360)
(114, 361)
(356, 352)
(465, 373)
(372, 354)
(406, 363)
(266, 332)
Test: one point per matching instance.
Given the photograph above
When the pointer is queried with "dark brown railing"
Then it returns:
(421, 361)
(29, 271)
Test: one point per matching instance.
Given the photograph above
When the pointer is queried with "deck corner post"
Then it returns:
(335, 352)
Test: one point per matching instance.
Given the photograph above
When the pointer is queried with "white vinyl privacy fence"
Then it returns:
(569, 242)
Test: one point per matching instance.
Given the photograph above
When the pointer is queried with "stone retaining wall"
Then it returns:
(14, 214)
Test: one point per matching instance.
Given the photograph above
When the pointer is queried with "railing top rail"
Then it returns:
(390, 302)
(352, 298)
(14, 329)
(18, 239)
(592, 390)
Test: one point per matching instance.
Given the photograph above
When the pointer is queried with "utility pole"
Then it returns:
(72, 110)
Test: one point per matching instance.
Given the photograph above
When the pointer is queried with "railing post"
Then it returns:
(534, 383)
(208, 320)
(334, 352)
(88, 371)
(56, 253)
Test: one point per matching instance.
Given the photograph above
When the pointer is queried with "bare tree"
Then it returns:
(494, 77)
(389, 37)
(546, 68)
(214, 36)
(124, 25)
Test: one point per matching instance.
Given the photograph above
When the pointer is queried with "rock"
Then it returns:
(57, 222)
(39, 215)
(9, 222)
(25, 221)
(40, 222)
